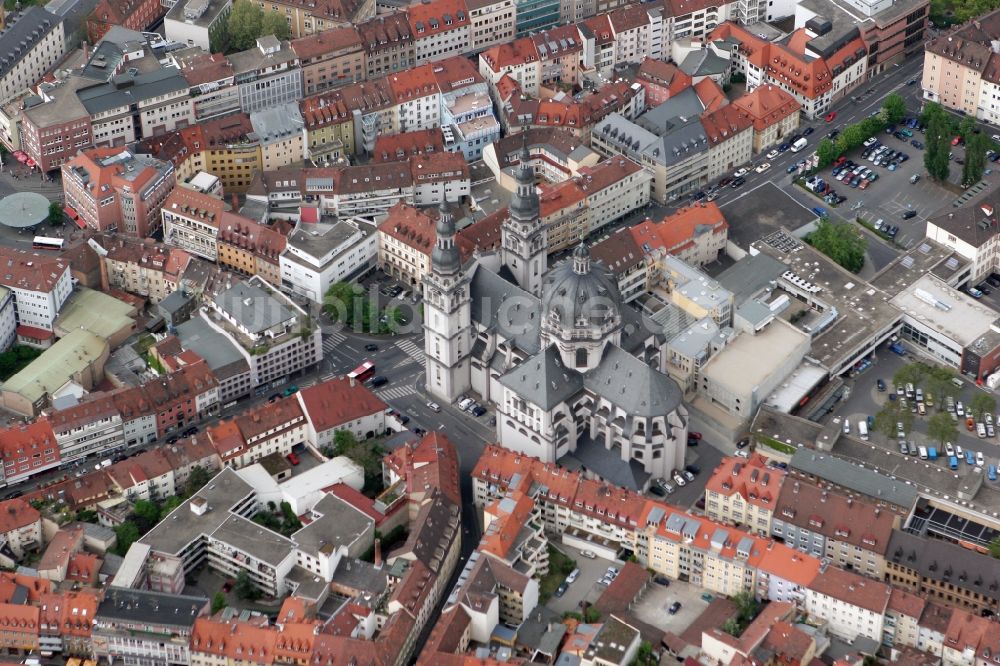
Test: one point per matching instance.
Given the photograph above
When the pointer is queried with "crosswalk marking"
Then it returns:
(394, 392)
(331, 341)
(414, 352)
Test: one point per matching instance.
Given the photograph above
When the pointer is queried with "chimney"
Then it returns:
(378, 553)
(352, 381)
(86, 50)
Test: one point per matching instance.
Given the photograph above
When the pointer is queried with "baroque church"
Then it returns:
(567, 365)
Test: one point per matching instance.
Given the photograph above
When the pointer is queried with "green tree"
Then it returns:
(841, 242)
(591, 615)
(941, 427)
(747, 606)
(851, 137)
(196, 480)
(827, 152)
(982, 403)
(732, 627)
(145, 514)
(893, 109)
(975, 158)
(937, 141)
(170, 504)
(275, 24)
(911, 373)
(887, 418)
(645, 656)
(127, 534)
(244, 25)
(56, 216)
(218, 602)
(994, 548)
(245, 588)
(344, 442)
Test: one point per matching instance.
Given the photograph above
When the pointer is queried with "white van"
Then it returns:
(923, 452)
(799, 145)
(863, 430)
(847, 427)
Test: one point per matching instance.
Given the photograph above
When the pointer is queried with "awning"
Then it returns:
(75, 216)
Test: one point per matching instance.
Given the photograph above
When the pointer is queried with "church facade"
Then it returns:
(567, 365)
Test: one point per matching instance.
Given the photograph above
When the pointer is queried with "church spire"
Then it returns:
(445, 258)
(581, 259)
(524, 204)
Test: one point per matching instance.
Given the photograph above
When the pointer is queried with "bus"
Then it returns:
(362, 372)
(46, 243)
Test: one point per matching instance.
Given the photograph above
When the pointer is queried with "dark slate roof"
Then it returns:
(594, 457)
(630, 384)
(125, 89)
(750, 274)
(31, 27)
(543, 380)
(505, 308)
(853, 477)
(944, 561)
(154, 608)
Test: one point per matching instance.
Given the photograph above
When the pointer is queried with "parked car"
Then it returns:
(561, 590)
(909, 215)
(662, 580)
(293, 458)
(761, 168)
(738, 183)
(741, 172)
(771, 155)
(434, 407)
(589, 554)
(830, 117)
(674, 607)
(694, 434)
(478, 411)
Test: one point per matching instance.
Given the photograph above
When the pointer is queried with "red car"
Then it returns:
(957, 141)
(694, 435)
(840, 160)
(830, 117)
(292, 458)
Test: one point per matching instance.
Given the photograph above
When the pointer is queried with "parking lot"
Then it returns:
(653, 607)
(892, 195)
(587, 585)
(866, 400)
(707, 457)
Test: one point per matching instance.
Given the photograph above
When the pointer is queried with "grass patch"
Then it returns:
(143, 344)
(774, 444)
(560, 566)
(155, 364)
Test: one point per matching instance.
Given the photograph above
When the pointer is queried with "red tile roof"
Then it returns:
(751, 479)
(663, 73)
(852, 588)
(675, 232)
(430, 463)
(810, 77)
(332, 403)
(15, 514)
(768, 105)
(414, 227)
(31, 271)
(436, 16)
(398, 147)
(724, 123)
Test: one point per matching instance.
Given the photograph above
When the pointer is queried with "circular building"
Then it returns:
(23, 209)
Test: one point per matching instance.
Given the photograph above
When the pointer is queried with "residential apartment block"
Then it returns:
(744, 492)
(317, 256)
(115, 190)
(32, 43)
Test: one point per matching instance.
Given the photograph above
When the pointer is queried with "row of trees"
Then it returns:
(941, 128)
(893, 111)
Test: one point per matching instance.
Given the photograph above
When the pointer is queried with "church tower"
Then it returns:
(447, 317)
(524, 238)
